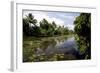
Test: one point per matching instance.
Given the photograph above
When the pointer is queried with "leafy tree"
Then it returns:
(54, 25)
(31, 19)
(27, 22)
(46, 28)
(25, 26)
(44, 24)
(83, 31)
(66, 31)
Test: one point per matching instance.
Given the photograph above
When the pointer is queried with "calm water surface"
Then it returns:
(50, 49)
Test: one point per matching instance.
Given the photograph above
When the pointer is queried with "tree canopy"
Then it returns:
(45, 28)
(83, 32)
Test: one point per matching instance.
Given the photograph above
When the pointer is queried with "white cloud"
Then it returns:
(40, 15)
(70, 26)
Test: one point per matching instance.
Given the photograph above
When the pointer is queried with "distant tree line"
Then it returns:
(45, 28)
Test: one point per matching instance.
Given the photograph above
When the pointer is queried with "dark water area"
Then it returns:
(50, 49)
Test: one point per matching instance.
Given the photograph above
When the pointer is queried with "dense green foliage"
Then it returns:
(45, 28)
(83, 34)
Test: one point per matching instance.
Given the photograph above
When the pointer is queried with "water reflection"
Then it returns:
(50, 49)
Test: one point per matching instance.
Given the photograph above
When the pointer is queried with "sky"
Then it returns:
(65, 19)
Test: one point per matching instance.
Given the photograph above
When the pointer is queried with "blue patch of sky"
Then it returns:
(67, 17)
